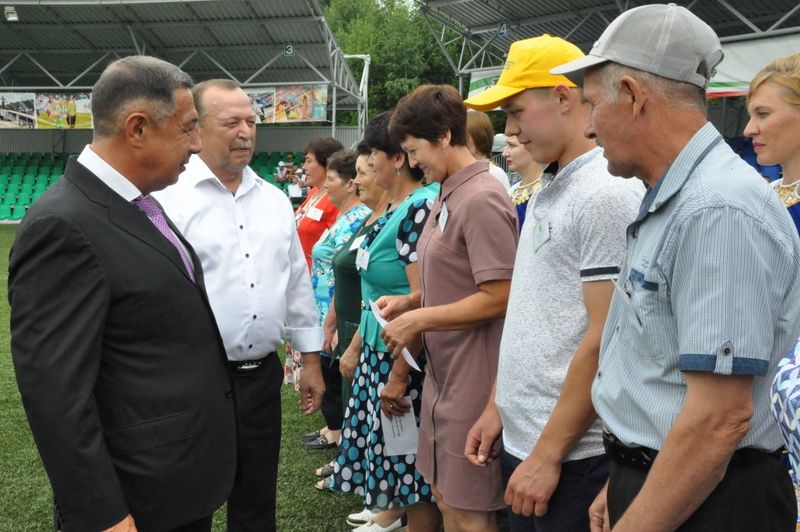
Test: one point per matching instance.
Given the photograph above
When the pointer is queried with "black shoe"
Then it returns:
(319, 444)
(310, 436)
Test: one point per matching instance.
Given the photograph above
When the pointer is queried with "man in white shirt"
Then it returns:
(244, 232)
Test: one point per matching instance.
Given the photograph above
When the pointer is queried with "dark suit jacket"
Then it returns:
(119, 362)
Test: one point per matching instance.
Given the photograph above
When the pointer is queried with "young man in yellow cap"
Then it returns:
(570, 250)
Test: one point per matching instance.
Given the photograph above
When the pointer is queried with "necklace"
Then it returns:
(524, 192)
(789, 194)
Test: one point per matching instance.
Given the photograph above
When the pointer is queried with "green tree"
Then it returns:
(403, 52)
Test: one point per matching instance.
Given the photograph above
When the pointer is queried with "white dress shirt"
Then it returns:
(108, 175)
(255, 271)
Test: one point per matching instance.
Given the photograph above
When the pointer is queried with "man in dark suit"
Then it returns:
(119, 362)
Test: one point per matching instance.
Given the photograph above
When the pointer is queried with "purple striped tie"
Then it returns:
(148, 206)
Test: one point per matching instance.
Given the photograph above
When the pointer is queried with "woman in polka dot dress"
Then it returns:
(388, 267)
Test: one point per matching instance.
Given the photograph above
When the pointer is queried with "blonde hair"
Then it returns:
(784, 72)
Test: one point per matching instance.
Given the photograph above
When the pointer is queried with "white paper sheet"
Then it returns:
(400, 433)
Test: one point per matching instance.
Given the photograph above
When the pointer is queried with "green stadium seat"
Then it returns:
(54, 178)
(40, 187)
(9, 199)
(26, 188)
(17, 212)
(15, 178)
(29, 178)
(13, 189)
(36, 195)
(3, 188)
(24, 198)
(5, 212)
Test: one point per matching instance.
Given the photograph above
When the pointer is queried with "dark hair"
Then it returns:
(132, 79)
(200, 89)
(343, 162)
(322, 148)
(377, 137)
(363, 148)
(376, 134)
(480, 130)
(429, 112)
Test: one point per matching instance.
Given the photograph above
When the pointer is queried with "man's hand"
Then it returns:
(479, 447)
(531, 486)
(126, 525)
(598, 512)
(349, 362)
(312, 386)
(393, 401)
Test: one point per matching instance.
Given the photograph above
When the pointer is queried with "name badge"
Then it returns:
(443, 214)
(315, 214)
(357, 242)
(541, 234)
(362, 259)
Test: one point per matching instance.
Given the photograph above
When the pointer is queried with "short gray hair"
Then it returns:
(132, 81)
(203, 86)
(678, 93)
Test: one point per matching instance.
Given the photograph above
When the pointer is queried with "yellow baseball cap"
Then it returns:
(528, 67)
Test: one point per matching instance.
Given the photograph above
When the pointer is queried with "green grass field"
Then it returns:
(25, 497)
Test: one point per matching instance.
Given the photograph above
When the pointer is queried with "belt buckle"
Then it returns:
(249, 365)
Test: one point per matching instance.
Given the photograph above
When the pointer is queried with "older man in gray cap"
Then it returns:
(706, 301)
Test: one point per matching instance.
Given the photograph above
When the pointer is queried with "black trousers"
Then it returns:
(332, 406)
(568, 509)
(756, 494)
(201, 525)
(251, 506)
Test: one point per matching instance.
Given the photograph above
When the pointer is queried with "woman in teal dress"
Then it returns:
(387, 263)
(343, 194)
(341, 191)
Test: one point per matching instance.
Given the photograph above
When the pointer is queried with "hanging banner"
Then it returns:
(744, 59)
(263, 102)
(63, 111)
(480, 80)
(17, 110)
(301, 103)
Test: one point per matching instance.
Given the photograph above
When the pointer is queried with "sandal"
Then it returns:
(324, 471)
(310, 436)
(320, 443)
(324, 484)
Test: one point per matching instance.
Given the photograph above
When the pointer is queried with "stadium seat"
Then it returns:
(26, 188)
(17, 212)
(24, 198)
(9, 199)
(5, 212)
(13, 189)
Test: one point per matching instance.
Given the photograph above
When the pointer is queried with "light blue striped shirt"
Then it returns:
(711, 282)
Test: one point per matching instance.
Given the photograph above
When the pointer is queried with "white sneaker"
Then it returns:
(372, 526)
(360, 518)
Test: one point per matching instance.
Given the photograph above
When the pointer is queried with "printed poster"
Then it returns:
(301, 103)
(17, 110)
(63, 111)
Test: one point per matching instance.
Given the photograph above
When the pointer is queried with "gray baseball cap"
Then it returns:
(663, 39)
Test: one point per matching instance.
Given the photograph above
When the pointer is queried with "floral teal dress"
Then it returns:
(322, 280)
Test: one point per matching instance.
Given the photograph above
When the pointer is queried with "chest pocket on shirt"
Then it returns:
(649, 296)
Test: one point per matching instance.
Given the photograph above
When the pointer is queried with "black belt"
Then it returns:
(248, 365)
(643, 457)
